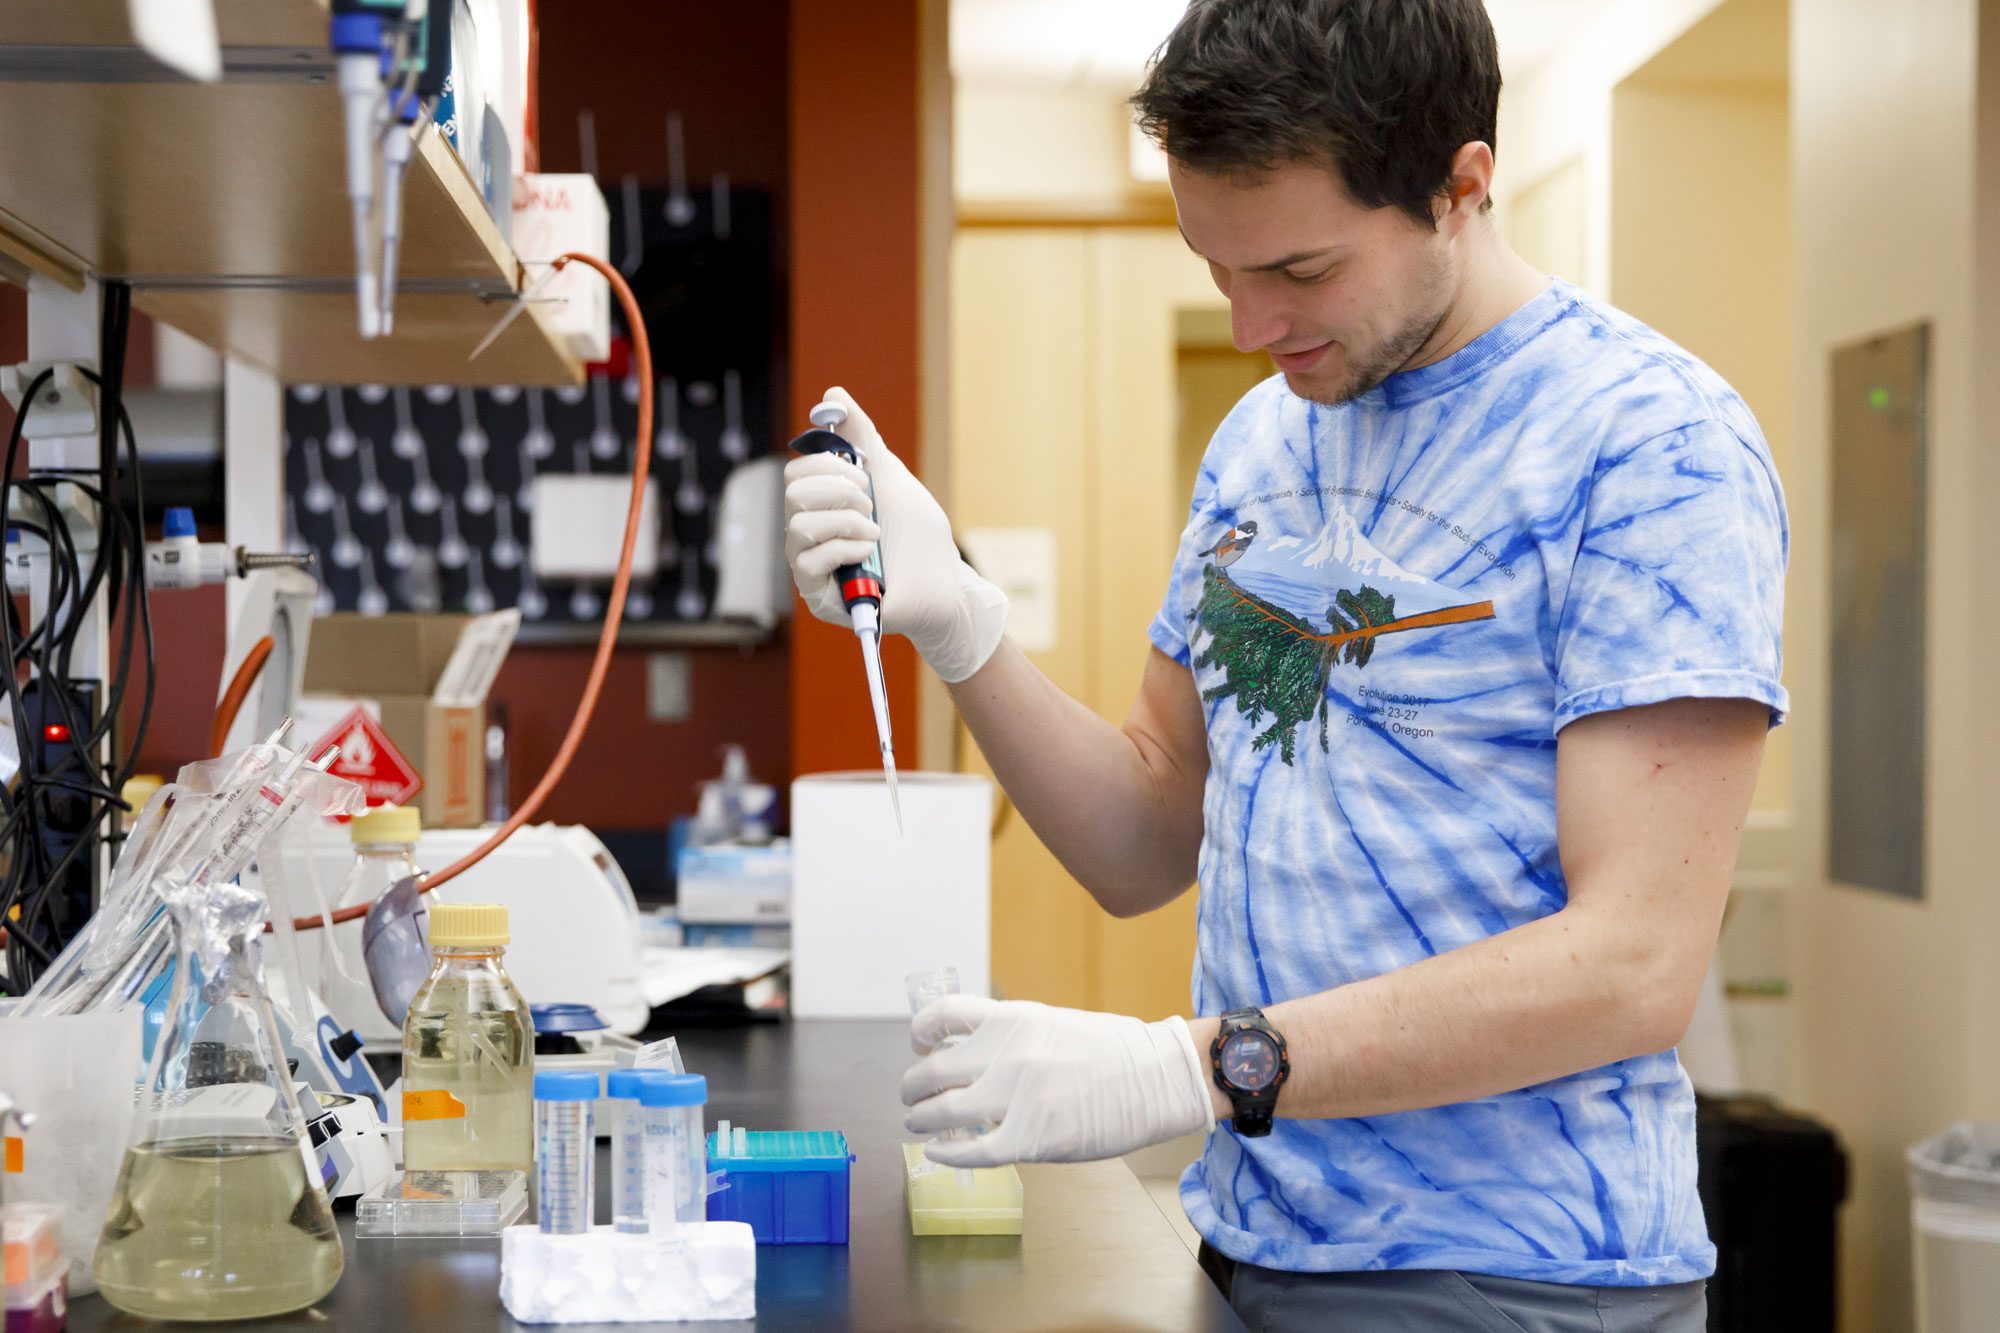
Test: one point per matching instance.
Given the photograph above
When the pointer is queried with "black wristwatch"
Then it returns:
(1248, 1057)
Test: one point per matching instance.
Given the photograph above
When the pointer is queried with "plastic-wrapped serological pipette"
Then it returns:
(199, 832)
(860, 590)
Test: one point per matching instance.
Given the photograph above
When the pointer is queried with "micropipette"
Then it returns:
(860, 588)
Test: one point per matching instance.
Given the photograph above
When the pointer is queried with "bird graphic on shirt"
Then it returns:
(1232, 546)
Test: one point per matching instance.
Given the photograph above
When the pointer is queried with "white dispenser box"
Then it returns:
(870, 905)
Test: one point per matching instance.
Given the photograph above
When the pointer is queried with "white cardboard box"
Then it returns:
(725, 882)
(553, 215)
(870, 905)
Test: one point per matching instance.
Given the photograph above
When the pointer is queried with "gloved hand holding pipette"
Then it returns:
(954, 617)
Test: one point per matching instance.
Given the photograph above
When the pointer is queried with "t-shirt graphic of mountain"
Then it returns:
(1277, 660)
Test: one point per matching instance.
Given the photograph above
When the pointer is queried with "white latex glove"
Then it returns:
(954, 617)
(1060, 1085)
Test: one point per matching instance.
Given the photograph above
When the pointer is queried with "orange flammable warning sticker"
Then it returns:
(432, 1104)
(16, 1154)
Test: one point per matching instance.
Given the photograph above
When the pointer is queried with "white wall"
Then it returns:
(1702, 251)
(1040, 142)
(1896, 1000)
(1561, 110)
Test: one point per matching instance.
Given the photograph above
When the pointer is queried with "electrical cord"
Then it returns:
(614, 611)
(32, 887)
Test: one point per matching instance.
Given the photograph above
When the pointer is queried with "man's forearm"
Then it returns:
(1570, 992)
(1112, 808)
(1650, 804)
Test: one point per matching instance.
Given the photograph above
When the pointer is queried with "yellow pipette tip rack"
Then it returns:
(941, 1206)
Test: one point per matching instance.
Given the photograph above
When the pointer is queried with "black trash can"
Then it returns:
(1772, 1183)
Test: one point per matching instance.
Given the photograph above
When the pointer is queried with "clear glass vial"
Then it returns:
(468, 1052)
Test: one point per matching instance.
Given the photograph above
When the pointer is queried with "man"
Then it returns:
(1455, 706)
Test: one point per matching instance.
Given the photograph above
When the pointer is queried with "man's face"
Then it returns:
(1340, 295)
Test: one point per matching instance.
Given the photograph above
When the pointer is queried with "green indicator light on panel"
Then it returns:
(1878, 397)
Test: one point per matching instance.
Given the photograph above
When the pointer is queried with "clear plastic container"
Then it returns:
(565, 1150)
(930, 985)
(628, 1147)
(676, 1151)
(1955, 1227)
(468, 1052)
(442, 1203)
(385, 852)
(926, 988)
(981, 1202)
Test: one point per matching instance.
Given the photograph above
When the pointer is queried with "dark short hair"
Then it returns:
(1383, 91)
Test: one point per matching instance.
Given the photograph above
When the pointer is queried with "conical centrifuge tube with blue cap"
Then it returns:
(860, 587)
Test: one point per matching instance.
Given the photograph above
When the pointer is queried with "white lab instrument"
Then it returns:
(349, 1140)
(861, 921)
(575, 922)
(277, 603)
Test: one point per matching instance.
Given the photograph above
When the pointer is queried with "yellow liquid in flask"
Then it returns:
(217, 1228)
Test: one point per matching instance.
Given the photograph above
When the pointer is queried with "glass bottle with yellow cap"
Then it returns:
(468, 1052)
(385, 852)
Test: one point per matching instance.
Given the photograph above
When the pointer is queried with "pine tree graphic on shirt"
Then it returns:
(1278, 663)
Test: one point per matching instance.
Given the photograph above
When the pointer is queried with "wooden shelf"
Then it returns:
(225, 205)
(648, 634)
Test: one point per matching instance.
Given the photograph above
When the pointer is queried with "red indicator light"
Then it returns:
(55, 732)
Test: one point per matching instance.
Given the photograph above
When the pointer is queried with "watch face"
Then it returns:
(1249, 1061)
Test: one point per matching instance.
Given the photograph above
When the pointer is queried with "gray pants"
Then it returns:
(1428, 1301)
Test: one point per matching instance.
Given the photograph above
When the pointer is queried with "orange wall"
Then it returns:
(854, 317)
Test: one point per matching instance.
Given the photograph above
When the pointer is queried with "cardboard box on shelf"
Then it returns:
(423, 680)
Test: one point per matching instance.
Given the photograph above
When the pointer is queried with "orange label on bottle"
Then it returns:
(432, 1104)
(16, 1154)
(17, 1258)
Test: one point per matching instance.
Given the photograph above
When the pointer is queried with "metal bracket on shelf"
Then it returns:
(65, 407)
(53, 63)
(332, 284)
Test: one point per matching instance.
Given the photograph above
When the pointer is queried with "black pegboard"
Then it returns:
(416, 498)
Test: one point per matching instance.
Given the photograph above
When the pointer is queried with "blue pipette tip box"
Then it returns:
(790, 1185)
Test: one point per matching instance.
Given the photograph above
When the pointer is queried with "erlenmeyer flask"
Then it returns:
(219, 1211)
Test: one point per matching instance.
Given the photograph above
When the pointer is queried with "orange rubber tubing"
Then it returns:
(239, 689)
(642, 356)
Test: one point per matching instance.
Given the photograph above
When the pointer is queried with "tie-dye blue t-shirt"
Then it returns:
(1391, 607)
